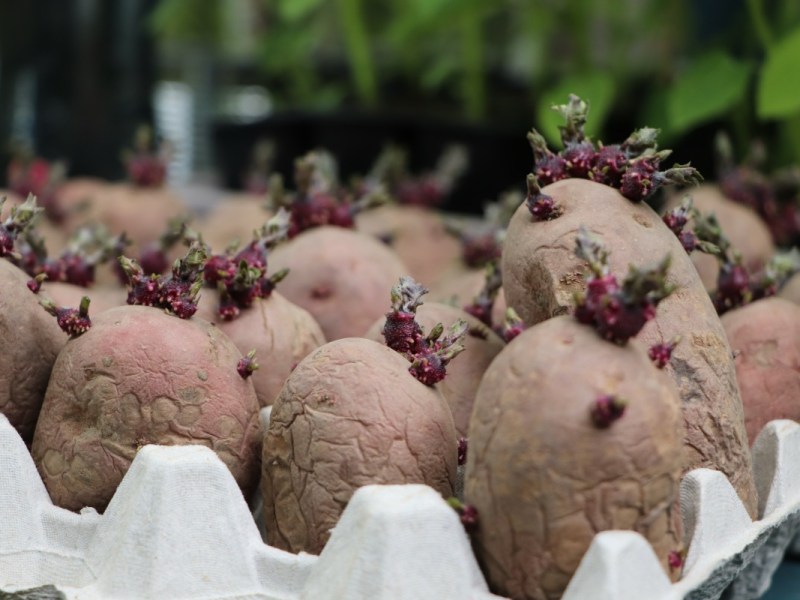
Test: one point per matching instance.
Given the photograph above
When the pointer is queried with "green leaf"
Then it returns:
(293, 11)
(707, 89)
(595, 88)
(779, 86)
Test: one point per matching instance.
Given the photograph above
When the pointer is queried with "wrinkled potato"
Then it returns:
(349, 415)
(31, 341)
(746, 231)
(143, 213)
(233, 218)
(342, 277)
(765, 336)
(140, 376)
(545, 479)
(281, 333)
(541, 273)
(463, 288)
(418, 236)
(464, 373)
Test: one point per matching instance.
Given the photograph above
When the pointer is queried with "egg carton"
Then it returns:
(178, 527)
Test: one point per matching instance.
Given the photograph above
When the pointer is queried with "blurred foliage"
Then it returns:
(678, 66)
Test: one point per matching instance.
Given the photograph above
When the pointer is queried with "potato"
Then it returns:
(746, 231)
(31, 340)
(463, 288)
(281, 333)
(545, 479)
(349, 415)
(541, 273)
(234, 218)
(418, 236)
(341, 277)
(143, 213)
(140, 376)
(791, 289)
(464, 373)
(765, 336)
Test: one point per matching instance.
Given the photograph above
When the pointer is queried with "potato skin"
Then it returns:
(31, 340)
(463, 287)
(282, 335)
(418, 236)
(541, 273)
(464, 373)
(140, 376)
(233, 218)
(545, 479)
(69, 295)
(349, 415)
(791, 289)
(765, 336)
(741, 225)
(342, 277)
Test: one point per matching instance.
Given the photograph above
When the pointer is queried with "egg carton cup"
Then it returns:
(178, 527)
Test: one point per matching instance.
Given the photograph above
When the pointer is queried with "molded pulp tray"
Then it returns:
(178, 527)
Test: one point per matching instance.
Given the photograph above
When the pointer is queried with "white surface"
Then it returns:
(178, 527)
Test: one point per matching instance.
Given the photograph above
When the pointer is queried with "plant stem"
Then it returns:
(355, 33)
(473, 84)
(759, 18)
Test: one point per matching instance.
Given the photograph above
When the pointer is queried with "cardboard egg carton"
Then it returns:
(178, 527)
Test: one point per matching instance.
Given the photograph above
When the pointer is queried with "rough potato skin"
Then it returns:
(463, 287)
(31, 340)
(419, 237)
(765, 336)
(342, 277)
(541, 273)
(140, 376)
(464, 373)
(741, 225)
(349, 415)
(282, 335)
(545, 479)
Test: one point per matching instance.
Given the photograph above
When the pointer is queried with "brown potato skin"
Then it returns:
(746, 231)
(349, 415)
(31, 340)
(765, 336)
(541, 274)
(282, 335)
(342, 277)
(140, 376)
(545, 479)
(418, 236)
(465, 371)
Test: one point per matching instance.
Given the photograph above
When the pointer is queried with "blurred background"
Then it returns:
(216, 76)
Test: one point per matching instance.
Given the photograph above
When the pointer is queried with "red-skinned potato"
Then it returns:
(465, 372)
(461, 289)
(541, 274)
(338, 275)
(765, 337)
(349, 415)
(141, 376)
(233, 218)
(419, 237)
(746, 231)
(142, 212)
(545, 478)
(31, 341)
(281, 333)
